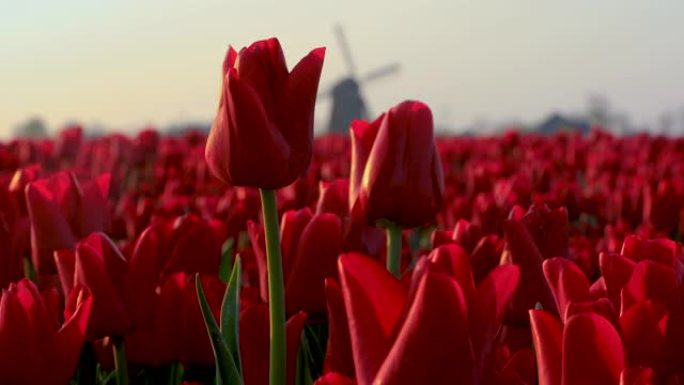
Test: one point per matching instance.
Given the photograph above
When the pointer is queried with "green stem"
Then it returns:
(120, 365)
(276, 291)
(394, 249)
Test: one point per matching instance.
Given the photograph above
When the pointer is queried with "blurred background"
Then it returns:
(481, 65)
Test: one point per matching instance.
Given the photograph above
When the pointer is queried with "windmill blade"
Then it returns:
(344, 47)
(381, 72)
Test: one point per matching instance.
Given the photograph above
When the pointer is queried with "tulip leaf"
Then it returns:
(226, 372)
(230, 313)
(226, 260)
(303, 375)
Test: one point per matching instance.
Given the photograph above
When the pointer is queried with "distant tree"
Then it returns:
(32, 128)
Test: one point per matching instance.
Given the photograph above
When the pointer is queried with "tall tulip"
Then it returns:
(262, 137)
(263, 131)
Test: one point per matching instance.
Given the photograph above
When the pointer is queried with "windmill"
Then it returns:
(347, 101)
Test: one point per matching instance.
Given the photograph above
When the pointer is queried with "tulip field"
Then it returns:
(257, 254)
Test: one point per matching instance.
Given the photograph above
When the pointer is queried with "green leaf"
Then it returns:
(226, 260)
(226, 372)
(230, 314)
(303, 375)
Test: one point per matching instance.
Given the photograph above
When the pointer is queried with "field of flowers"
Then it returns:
(259, 255)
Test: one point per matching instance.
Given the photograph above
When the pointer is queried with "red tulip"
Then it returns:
(334, 198)
(533, 289)
(396, 173)
(263, 131)
(254, 344)
(406, 337)
(68, 143)
(549, 228)
(98, 265)
(310, 246)
(338, 355)
(63, 210)
(586, 351)
(185, 244)
(34, 349)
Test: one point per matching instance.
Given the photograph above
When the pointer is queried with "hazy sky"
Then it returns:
(126, 63)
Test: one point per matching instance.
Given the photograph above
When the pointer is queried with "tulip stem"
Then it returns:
(393, 248)
(120, 365)
(276, 291)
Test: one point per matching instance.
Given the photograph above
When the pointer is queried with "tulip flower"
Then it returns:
(254, 344)
(310, 246)
(68, 144)
(586, 350)
(406, 336)
(34, 349)
(62, 210)
(396, 174)
(263, 131)
(98, 265)
(522, 250)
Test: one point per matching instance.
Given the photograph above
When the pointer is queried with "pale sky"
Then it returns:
(126, 63)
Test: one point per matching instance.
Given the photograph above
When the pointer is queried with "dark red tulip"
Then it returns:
(255, 344)
(63, 210)
(523, 252)
(396, 173)
(334, 198)
(263, 131)
(34, 349)
(68, 143)
(549, 228)
(402, 336)
(567, 282)
(338, 355)
(587, 350)
(98, 265)
(310, 246)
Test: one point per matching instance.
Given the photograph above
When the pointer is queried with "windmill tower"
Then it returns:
(347, 99)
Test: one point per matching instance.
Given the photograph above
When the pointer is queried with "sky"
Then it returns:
(128, 63)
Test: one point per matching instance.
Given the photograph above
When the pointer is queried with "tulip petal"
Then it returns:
(453, 260)
(375, 302)
(433, 346)
(643, 328)
(262, 66)
(547, 334)
(567, 282)
(338, 355)
(363, 136)
(319, 246)
(333, 378)
(533, 288)
(616, 271)
(651, 281)
(69, 340)
(291, 227)
(492, 299)
(592, 351)
(297, 102)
